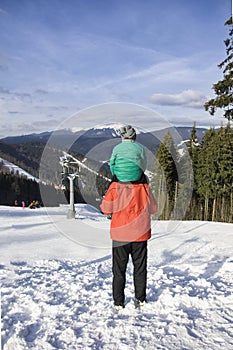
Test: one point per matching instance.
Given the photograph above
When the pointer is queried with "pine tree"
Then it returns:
(189, 163)
(224, 174)
(204, 171)
(167, 172)
(215, 173)
(224, 88)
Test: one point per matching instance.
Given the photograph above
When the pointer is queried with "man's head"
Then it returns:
(128, 133)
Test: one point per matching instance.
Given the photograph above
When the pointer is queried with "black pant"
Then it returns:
(120, 256)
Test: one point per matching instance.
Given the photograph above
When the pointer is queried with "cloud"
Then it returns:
(4, 91)
(188, 98)
(41, 92)
(14, 95)
(23, 127)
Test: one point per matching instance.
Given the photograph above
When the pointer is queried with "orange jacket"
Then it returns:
(131, 206)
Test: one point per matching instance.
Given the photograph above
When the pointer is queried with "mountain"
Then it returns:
(42, 137)
(26, 150)
(100, 131)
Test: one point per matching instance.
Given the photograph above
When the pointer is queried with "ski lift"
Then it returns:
(69, 172)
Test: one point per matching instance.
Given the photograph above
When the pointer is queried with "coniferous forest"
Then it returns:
(18, 190)
(211, 177)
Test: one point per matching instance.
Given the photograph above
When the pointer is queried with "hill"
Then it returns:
(14, 169)
(26, 155)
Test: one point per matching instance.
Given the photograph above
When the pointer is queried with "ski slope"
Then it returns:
(56, 284)
(17, 170)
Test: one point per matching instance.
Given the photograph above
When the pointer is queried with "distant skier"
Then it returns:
(34, 204)
(128, 160)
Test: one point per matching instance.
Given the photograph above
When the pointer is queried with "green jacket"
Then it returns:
(128, 161)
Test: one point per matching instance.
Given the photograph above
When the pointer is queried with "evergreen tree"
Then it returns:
(193, 145)
(205, 166)
(215, 173)
(205, 172)
(193, 149)
(224, 160)
(13, 187)
(188, 165)
(167, 172)
(224, 88)
(222, 206)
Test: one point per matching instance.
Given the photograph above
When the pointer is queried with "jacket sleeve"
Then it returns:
(106, 205)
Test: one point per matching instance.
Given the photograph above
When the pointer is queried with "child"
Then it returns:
(128, 159)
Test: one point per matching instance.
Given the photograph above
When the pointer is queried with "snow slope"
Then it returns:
(56, 287)
(17, 170)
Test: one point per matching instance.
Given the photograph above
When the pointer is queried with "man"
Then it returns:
(131, 205)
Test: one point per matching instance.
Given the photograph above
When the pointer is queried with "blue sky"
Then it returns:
(59, 57)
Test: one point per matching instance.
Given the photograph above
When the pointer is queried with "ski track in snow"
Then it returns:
(66, 302)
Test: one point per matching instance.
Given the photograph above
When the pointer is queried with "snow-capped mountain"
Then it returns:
(104, 130)
(109, 129)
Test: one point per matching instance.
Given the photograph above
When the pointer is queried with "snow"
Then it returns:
(116, 127)
(100, 127)
(56, 284)
(17, 170)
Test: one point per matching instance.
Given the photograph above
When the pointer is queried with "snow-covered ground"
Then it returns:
(56, 284)
(17, 170)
